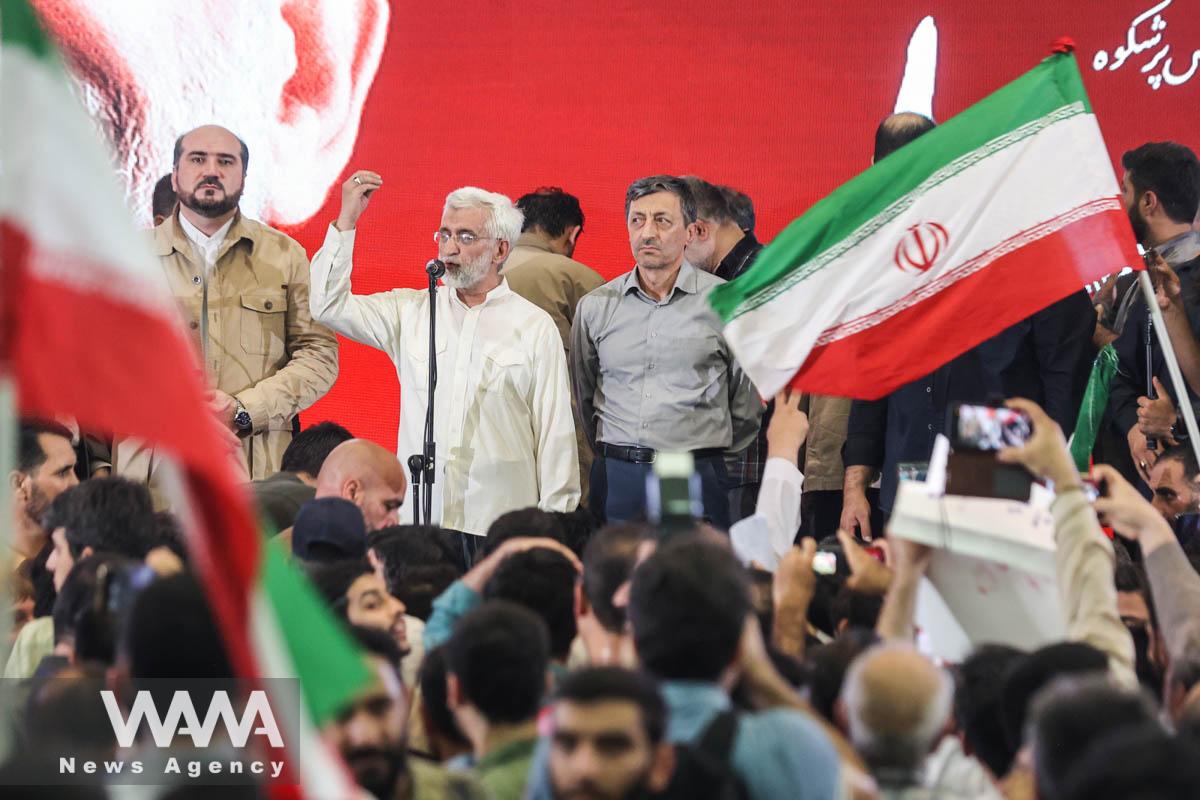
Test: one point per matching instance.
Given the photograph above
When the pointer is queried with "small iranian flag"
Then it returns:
(89, 329)
(992, 216)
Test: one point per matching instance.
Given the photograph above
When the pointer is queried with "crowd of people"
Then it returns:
(547, 634)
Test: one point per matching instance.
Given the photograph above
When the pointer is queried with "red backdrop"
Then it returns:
(779, 99)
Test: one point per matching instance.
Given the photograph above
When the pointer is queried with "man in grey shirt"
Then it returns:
(651, 368)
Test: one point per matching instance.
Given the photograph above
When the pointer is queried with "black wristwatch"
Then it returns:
(241, 419)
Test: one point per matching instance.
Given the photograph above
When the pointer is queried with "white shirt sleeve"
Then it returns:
(769, 533)
(370, 319)
(554, 427)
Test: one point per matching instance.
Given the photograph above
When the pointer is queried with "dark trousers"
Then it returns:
(618, 489)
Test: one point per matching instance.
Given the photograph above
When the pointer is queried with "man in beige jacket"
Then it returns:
(243, 290)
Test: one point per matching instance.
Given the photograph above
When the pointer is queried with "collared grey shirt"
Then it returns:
(659, 374)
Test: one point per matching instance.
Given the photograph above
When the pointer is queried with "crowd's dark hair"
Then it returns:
(1138, 762)
(530, 521)
(1030, 673)
(663, 183)
(499, 653)
(897, 130)
(688, 603)
(550, 210)
(592, 685)
(828, 665)
(1072, 714)
(310, 447)
(1185, 455)
(30, 454)
(77, 598)
(164, 200)
(418, 564)
(711, 203)
(608, 561)
(333, 580)
(741, 207)
(543, 581)
(432, 679)
(110, 515)
(977, 699)
(1169, 170)
(245, 151)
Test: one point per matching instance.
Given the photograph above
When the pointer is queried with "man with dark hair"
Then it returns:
(103, 515)
(720, 245)
(496, 663)
(977, 707)
(608, 739)
(1174, 480)
(371, 735)
(443, 739)
(1070, 715)
(163, 202)
(1137, 762)
(45, 469)
(356, 593)
(740, 206)
(608, 561)
(280, 496)
(541, 269)
(542, 581)
(414, 563)
(1136, 607)
(265, 358)
(531, 521)
(651, 366)
(689, 605)
(1160, 190)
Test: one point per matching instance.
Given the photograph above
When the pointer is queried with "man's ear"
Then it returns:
(352, 489)
(502, 250)
(376, 562)
(85, 552)
(703, 229)
(662, 767)
(573, 233)
(19, 482)
(1148, 202)
(453, 691)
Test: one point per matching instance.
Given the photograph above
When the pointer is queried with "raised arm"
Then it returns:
(370, 319)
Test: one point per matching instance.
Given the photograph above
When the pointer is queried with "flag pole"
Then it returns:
(1164, 340)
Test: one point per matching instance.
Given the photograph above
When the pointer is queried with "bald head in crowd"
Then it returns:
(367, 475)
(897, 703)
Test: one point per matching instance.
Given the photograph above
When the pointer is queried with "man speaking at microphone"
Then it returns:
(502, 404)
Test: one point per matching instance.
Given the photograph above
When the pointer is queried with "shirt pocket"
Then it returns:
(264, 323)
(691, 364)
(503, 372)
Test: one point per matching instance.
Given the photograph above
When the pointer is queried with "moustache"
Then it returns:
(209, 182)
(648, 243)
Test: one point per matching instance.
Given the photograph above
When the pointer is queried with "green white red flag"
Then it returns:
(988, 218)
(89, 329)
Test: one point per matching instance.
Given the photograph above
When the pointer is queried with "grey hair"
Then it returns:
(504, 219)
(893, 749)
(663, 183)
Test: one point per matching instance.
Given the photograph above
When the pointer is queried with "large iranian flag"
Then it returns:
(983, 221)
(88, 329)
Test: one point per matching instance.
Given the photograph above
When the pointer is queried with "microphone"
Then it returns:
(435, 268)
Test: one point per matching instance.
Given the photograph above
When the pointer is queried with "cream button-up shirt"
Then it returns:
(502, 407)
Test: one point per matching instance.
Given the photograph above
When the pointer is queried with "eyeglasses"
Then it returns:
(465, 238)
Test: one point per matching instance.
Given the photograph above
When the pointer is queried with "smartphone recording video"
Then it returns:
(987, 428)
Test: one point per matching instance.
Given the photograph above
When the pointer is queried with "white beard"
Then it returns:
(468, 273)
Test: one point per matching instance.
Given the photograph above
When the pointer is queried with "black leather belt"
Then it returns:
(637, 455)
(646, 455)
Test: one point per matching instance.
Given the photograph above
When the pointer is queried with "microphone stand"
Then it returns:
(434, 269)
(416, 465)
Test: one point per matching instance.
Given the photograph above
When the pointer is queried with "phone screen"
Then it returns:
(989, 428)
